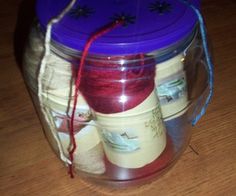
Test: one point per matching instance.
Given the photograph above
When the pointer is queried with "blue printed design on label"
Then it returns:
(121, 142)
(172, 90)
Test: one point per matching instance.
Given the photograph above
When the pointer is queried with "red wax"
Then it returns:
(102, 88)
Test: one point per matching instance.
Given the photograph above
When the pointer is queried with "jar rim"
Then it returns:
(160, 55)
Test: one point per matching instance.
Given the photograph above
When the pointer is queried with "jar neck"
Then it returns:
(160, 55)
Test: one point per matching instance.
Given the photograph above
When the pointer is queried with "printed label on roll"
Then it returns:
(171, 85)
(172, 89)
(133, 141)
(172, 93)
(121, 142)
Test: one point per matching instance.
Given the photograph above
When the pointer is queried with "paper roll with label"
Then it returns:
(136, 137)
(172, 87)
(89, 152)
(57, 82)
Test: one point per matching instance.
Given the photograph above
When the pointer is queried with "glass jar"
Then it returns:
(141, 86)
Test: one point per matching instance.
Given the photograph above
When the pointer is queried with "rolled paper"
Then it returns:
(134, 138)
(57, 98)
(58, 74)
(105, 80)
(89, 154)
(58, 71)
(171, 87)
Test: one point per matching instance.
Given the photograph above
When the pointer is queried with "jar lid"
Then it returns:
(149, 24)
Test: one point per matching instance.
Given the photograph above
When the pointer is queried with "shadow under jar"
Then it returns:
(141, 86)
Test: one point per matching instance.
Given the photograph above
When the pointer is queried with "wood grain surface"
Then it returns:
(29, 167)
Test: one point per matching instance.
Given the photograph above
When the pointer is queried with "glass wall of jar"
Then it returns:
(134, 111)
(121, 105)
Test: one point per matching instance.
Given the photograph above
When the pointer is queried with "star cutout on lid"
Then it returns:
(81, 11)
(127, 18)
(161, 7)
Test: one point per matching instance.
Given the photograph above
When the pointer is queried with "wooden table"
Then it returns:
(29, 167)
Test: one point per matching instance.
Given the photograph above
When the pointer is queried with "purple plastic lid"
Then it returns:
(150, 24)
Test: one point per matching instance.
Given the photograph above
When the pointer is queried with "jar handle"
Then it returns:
(208, 60)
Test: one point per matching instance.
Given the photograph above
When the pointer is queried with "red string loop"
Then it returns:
(88, 44)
